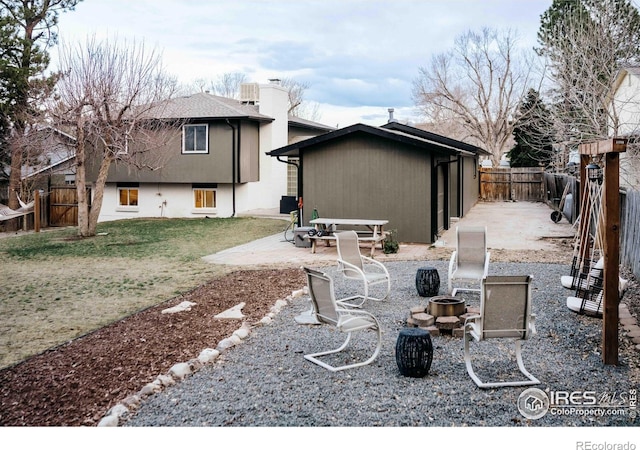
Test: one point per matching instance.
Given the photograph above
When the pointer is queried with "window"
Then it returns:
(128, 196)
(204, 198)
(195, 139)
(292, 178)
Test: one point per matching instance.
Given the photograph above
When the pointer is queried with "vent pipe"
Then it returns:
(391, 119)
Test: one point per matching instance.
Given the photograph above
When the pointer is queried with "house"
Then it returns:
(217, 167)
(624, 108)
(417, 180)
(48, 159)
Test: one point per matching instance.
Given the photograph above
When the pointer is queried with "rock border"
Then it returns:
(179, 371)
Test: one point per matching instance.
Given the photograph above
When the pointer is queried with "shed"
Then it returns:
(415, 179)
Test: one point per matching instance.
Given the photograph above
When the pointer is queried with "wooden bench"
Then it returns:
(363, 237)
(369, 231)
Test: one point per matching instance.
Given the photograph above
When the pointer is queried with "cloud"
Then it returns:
(352, 54)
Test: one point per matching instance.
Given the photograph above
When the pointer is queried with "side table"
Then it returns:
(427, 281)
(414, 352)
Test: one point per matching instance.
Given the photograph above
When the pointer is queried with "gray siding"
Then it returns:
(470, 184)
(216, 166)
(249, 152)
(366, 177)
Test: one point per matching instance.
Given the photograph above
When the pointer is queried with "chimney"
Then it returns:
(391, 119)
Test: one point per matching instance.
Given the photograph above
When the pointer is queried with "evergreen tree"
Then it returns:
(27, 30)
(532, 133)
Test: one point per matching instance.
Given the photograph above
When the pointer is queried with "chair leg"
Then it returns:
(531, 380)
(347, 301)
(525, 372)
(313, 356)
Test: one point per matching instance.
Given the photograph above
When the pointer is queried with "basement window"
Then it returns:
(128, 196)
(204, 198)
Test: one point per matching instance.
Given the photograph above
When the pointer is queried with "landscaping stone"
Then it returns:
(424, 319)
(447, 322)
(208, 355)
(433, 330)
(184, 306)
(180, 370)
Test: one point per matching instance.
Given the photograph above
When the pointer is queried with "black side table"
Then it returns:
(427, 281)
(414, 352)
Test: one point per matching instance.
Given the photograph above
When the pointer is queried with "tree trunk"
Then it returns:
(81, 181)
(98, 194)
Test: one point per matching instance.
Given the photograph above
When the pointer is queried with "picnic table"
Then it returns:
(369, 230)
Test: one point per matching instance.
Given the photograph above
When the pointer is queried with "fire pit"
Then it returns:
(445, 305)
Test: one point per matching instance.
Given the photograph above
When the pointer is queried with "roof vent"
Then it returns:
(391, 119)
(249, 93)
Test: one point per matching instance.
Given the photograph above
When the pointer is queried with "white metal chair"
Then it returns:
(470, 260)
(328, 311)
(354, 266)
(505, 312)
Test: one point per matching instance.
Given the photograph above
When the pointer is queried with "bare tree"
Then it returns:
(225, 85)
(111, 94)
(478, 85)
(585, 43)
(298, 106)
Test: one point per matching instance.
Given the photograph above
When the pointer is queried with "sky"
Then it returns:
(358, 57)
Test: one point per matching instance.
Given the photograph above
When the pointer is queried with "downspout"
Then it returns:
(233, 167)
(299, 181)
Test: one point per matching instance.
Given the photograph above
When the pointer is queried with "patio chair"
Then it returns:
(354, 266)
(330, 312)
(505, 313)
(470, 259)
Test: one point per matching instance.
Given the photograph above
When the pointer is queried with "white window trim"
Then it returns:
(195, 210)
(184, 137)
(127, 208)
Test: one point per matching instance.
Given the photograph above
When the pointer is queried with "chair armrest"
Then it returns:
(486, 263)
(373, 262)
(470, 319)
(532, 326)
(453, 261)
(354, 314)
(342, 262)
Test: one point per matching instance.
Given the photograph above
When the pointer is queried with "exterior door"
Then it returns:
(440, 197)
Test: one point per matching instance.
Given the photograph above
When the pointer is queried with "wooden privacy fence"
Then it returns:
(512, 183)
(630, 230)
(63, 206)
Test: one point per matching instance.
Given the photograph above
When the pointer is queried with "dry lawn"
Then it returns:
(46, 301)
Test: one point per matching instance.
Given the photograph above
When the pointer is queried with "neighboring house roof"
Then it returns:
(620, 76)
(304, 123)
(415, 138)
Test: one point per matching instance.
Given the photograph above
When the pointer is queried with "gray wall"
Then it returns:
(369, 178)
(470, 184)
(213, 167)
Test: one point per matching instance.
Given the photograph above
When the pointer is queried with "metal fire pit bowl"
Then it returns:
(445, 305)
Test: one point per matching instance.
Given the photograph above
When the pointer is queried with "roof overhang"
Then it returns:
(441, 146)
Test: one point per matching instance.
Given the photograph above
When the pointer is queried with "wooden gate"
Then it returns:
(512, 183)
(63, 206)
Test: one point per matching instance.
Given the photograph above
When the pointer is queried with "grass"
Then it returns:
(55, 286)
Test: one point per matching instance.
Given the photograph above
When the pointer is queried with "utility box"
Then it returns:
(288, 204)
(301, 237)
